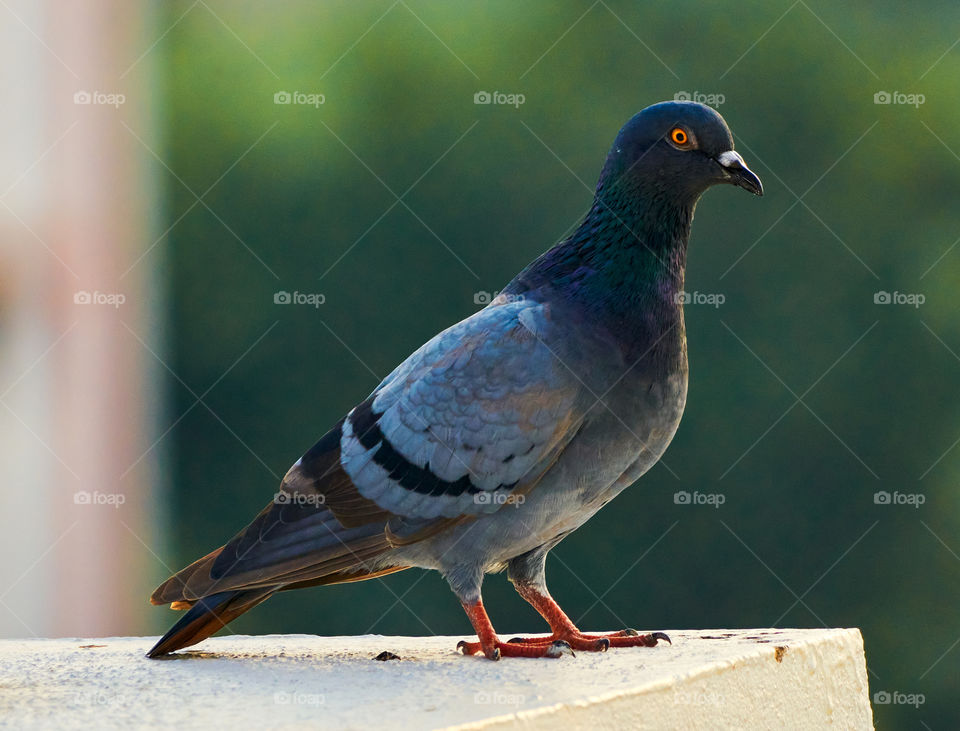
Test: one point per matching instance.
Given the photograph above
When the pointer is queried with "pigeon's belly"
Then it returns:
(627, 434)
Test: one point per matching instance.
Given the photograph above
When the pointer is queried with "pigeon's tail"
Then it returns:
(208, 615)
(212, 613)
(317, 530)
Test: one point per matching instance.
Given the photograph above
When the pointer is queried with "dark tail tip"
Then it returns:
(206, 617)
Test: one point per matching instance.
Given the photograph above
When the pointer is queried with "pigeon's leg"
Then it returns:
(465, 583)
(527, 572)
(494, 648)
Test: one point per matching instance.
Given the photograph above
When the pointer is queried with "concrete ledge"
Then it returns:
(714, 679)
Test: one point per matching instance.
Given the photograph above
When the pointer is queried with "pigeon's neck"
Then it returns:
(623, 268)
(633, 247)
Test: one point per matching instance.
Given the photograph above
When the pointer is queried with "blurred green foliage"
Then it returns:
(805, 398)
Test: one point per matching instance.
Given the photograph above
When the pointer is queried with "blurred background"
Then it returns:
(221, 224)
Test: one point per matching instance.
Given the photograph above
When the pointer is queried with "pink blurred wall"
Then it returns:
(78, 395)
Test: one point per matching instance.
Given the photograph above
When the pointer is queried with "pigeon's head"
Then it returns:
(675, 150)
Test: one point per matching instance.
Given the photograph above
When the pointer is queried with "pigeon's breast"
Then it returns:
(629, 431)
(651, 415)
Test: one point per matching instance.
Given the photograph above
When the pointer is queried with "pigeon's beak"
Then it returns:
(736, 172)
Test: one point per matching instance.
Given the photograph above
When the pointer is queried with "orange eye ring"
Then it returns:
(679, 136)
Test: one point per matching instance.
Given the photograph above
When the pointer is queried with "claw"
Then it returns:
(628, 632)
(461, 645)
(495, 655)
(515, 640)
(603, 644)
(559, 648)
(661, 636)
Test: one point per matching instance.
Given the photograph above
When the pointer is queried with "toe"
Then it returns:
(559, 648)
(468, 648)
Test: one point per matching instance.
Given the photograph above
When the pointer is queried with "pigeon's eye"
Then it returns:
(681, 138)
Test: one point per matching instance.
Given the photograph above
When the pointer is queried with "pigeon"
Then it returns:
(507, 431)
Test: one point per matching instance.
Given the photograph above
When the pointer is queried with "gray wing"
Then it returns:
(474, 416)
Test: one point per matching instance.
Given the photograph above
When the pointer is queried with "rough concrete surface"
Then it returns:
(763, 678)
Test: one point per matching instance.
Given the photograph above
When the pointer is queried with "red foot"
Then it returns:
(499, 649)
(595, 643)
(565, 638)
(493, 648)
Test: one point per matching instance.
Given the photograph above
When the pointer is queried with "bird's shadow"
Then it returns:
(196, 655)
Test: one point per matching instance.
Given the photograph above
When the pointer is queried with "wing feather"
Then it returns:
(471, 417)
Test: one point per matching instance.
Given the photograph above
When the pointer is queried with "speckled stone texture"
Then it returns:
(717, 679)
